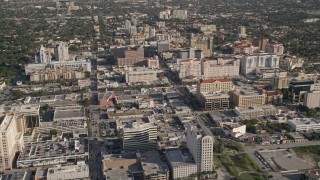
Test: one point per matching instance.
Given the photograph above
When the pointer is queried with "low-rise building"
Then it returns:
(256, 111)
(214, 85)
(67, 113)
(141, 75)
(79, 171)
(181, 165)
(305, 124)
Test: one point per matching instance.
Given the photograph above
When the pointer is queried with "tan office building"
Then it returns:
(213, 85)
(248, 97)
(133, 56)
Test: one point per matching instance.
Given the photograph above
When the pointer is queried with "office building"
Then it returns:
(202, 42)
(261, 42)
(165, 14)
(312, 99)
(163, 46)
(298, 88)
(242, 32)
(61, 51)
(247, 96)
(140, 75)
(214, 85)
(305, 124)
(274, 48)
(200, 146)
(11, 141)
(132, 56)
(152, 32)
(189, 68)
(249, 63)
(181, 166)
(139, 135)
(213, 101)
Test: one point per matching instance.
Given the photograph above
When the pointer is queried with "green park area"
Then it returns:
(232, 156)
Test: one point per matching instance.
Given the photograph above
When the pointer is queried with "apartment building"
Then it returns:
(247, 96)
(56, 74)
(140, 75)
(132, 56)
(213, 85)
(249, 63)
(179, 14)
(200, 146)
(139, 135)
(11, 141)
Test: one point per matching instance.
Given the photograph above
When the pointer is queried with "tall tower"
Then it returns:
(44, 55)
(61, 51)
(242, 32)
(200, 146)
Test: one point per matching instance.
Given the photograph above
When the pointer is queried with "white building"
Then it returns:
(179, 14)
(11, 141)
(79, 171)
(238, 131)
(249, 63)
(305, 124)
(61, 51)
(44, 55)
(200, 146)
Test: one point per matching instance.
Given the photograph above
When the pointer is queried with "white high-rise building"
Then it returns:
(200, 146)
(44, 55)
(11, 141)
(242, 32)
(61, 51)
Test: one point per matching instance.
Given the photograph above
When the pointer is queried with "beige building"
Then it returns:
(56, 74)
(207, 69)
(2, 85)
(248, 97)
(280, 82)
(214, 101)
(202, 42)
(249, 63)
(200, 146)
(11, 141)
(140, 75)
(132, 56)
(253, 112)
(153, 62)
(312, 99)
(213, 85)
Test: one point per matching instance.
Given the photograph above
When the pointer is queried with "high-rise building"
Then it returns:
(298, 89)
(127, 25)
(200, 146)
(202, 42)
(44, 55)
(61, 51)
(152, 32)
(242, 32)
(180, 14)
(260, 42)
(249, 63)
(132, 56)
(11, 141)
(274, 48)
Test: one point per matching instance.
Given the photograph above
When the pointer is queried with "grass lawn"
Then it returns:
(237, 163)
